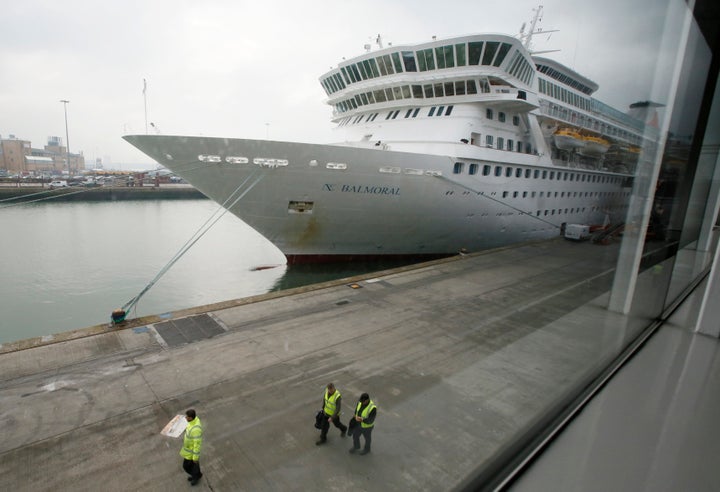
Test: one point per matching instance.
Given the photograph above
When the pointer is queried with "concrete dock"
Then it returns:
(460, 355)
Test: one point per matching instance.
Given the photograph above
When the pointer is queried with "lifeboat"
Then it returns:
(567, 139)
(594, 146)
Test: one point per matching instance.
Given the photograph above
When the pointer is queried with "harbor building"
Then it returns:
(17, 156)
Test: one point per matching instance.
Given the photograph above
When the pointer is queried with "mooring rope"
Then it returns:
(202, 230)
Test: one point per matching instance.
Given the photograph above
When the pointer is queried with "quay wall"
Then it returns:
(99, 194)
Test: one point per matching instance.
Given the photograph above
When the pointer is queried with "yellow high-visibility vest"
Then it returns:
(364, 414)
(331, 402)
(192, 442)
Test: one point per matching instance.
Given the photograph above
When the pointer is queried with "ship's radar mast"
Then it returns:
(526, 37)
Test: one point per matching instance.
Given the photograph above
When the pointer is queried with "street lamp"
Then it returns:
(67, 136)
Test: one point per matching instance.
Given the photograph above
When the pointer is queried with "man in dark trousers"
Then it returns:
(192, 442)
(332, 402)
(365, 413)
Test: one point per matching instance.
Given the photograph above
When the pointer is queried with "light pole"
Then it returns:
(67, 136)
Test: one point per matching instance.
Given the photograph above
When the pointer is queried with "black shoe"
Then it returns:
(364, 452)
(321, 441)
(353, 450)
(195, 481)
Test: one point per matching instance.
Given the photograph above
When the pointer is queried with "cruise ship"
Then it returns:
(446, 146)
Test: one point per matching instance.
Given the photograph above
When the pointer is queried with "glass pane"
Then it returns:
(490, 50)
(396, 62)
(409, 61)
(422, 66)
(388, 64)
(440, 55)
(417, 91)
(449, 89)
(475, 50)
(460, 54)
(504, 49)
(449, 56)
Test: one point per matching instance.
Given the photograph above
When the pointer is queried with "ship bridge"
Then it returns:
(490, 68)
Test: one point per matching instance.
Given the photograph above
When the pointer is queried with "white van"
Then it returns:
(577, 232)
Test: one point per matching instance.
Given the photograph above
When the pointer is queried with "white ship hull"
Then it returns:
(332, 202)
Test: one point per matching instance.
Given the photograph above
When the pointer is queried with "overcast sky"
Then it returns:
(250, 69)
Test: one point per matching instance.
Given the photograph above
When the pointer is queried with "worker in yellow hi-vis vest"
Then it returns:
(192, 443)
(332, 402)
(365, 413)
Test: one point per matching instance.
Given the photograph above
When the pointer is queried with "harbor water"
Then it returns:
(69, 265)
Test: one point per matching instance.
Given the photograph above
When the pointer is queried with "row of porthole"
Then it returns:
(259, 161)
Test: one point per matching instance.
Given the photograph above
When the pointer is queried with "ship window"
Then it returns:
(439, 90)
(519, 146)
(486, 170)
(552, 174)
(544, 175)
(406, 92)
(489, 140)
(364, 99)
(484, 85)
(498, 170)
(381, 66)
(409, 61)
(571, 176)
(397, 92)
(360, 67)
(395, 114)
(425, 60)
(489, 113)
(370, 97)
(348, 80)
(388, 115)
(396, 62)
(541, 194)
(536, 174)
(565, 176)
(508, 171)
(474, 51)
(473, 169)
(379, 96)
(409, 112)
(504, 48)
(432, 111)
(417, 91)
(460, 54)
(501, 117)
(449, 110)
(460, 88)
(388, 64)
(458, 168)
(500, 143)
(440, 111)
(440, 55)
(373, 67)
(510, 144)
(490, 50)
(533, 194)
(524, 194)
(417, 110)
(389, 94)
(471, 89)
(518, 173)
(505, 194)
(428, 90)
(449, 89)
